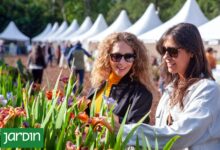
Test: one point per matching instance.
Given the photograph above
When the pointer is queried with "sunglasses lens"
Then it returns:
(163, 51)
(172, 51)
(116, 57)
(129, 57)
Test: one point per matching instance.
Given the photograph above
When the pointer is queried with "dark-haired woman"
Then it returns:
(36, 63)
(190, 105)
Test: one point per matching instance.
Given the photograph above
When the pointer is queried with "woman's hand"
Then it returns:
(117, 124)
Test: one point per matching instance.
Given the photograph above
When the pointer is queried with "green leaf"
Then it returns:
(61, 138)
(156, 144)
(170, 143)
(144, 142)
(92, 107)
(19, 93)
(148, 144)
(58, 80)
(89, 137)
(61, 115)
(137, 144)
(46, 120)
(133, 130)
(119, 144)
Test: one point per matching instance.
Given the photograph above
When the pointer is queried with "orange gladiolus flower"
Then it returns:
(6, 113)
(49, 94)
(72, 116)
(95, 121)
(1, 124)
(19, 111)
(83, 117)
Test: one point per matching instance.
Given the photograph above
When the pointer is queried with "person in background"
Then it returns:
(63, 61)
(211, 58)
(50, 54)
(190, 104)
(121, 73)
(36, 63)
(155, 70)
(76, 58)
(58, 54)
(1, 50)
(13, 49)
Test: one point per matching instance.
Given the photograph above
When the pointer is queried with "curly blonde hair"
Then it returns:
(141, 70)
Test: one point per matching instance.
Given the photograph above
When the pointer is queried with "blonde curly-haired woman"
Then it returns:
(121, 73)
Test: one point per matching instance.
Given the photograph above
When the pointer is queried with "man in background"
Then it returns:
(211, 58)
(76, 58)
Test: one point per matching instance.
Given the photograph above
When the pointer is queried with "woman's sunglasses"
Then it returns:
(116, 57)
(172, 51)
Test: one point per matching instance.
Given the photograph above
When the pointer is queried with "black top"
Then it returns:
(130, 92)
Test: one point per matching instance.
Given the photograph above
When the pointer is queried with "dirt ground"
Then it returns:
(51, 74)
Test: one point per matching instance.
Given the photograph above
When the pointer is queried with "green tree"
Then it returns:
(210, 8)
(168, 9)
(74, 10)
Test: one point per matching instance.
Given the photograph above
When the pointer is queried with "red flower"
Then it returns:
(95, 121)
(49, 94)
(72, 116)
(83, 117)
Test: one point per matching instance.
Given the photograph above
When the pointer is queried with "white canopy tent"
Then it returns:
(148, 21)
(86, 25)
(70, 30)
(99, 26)
(43, 33)
(11, 32)
(59, 31)
(210, 30)
(53, 30)
(120, 24)
(189, 13)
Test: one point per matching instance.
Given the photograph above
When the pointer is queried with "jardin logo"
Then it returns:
(22, 137)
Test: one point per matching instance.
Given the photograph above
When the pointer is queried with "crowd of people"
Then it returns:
(62, 56)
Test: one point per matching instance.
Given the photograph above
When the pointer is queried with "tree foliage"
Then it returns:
(31, 16)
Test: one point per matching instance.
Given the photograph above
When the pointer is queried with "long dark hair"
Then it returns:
(186, 36)
(37, 56)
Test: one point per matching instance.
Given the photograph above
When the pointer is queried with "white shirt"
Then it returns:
(198, 123)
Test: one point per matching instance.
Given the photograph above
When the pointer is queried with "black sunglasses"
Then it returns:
(129, 57)
(172, 51)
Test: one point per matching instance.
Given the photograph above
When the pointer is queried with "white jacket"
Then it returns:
(198, 123)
